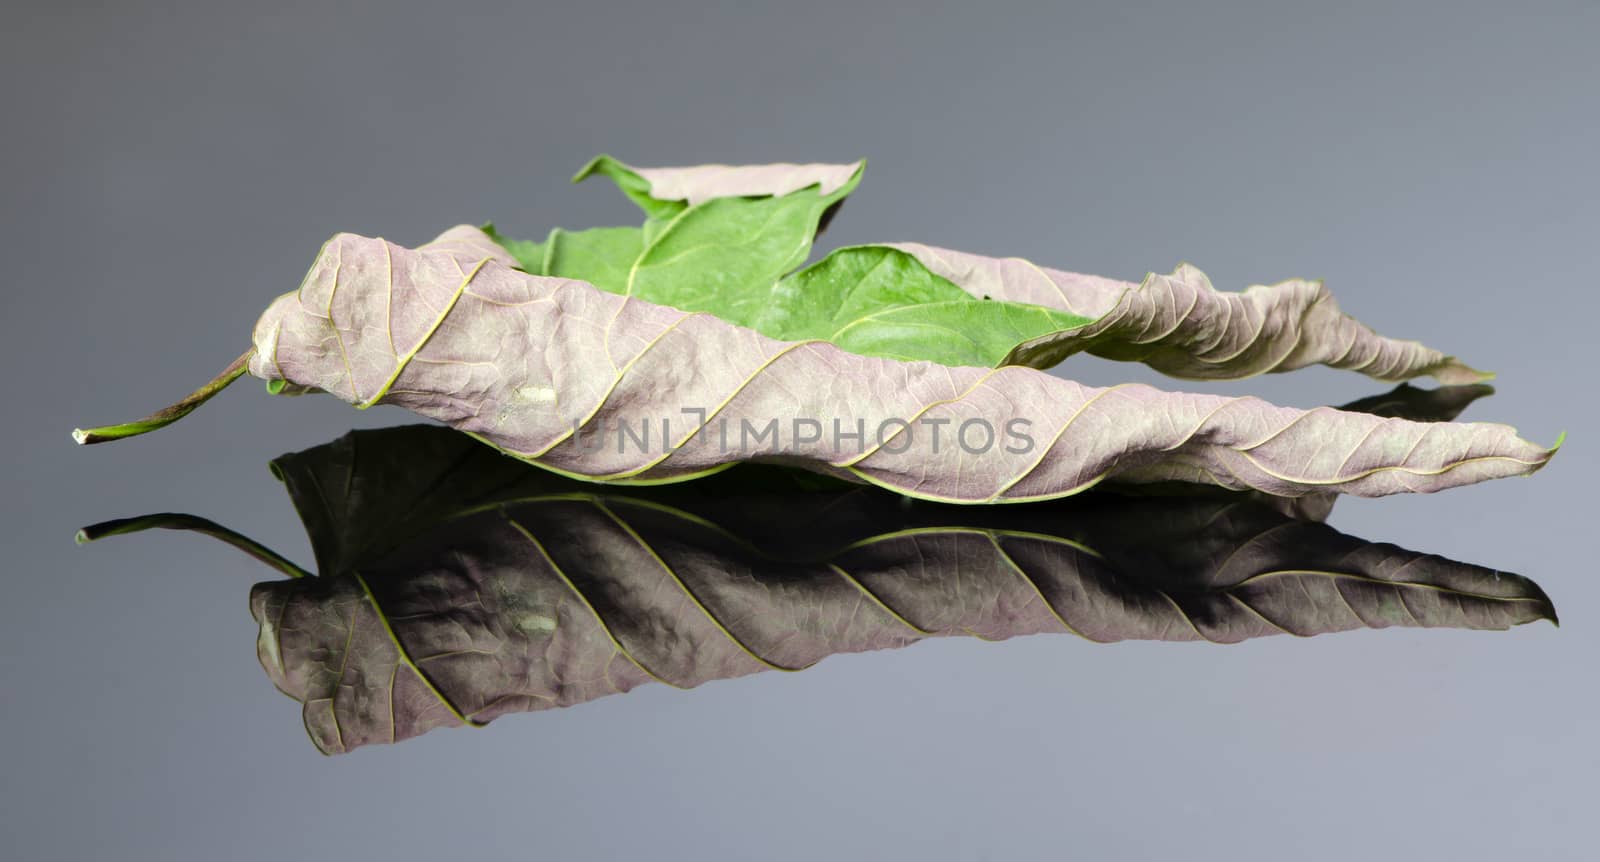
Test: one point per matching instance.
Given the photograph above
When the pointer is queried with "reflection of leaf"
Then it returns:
(544, 368)
(472, 587)
(1405, 401)
(363, 493)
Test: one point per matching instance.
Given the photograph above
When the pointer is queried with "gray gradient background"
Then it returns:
(169, 170)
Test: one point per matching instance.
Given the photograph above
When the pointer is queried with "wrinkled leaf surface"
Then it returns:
(557, 372)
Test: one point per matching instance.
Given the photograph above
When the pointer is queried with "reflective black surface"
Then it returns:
(457, 585)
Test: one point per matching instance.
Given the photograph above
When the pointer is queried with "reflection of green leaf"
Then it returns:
(468, 586)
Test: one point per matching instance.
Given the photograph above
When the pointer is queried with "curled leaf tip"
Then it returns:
(590, 167)
(1454, 372)
(1182, 326)
(82, 537)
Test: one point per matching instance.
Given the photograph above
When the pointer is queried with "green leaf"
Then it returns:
(880, 301)
(636, 187)
(602, 256)
(724, 256)
(728, 256)
(529, 254)
(723, 240)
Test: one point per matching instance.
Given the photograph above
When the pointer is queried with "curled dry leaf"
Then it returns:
(1405, 401)
(611, 388)
(466, 587)
(1180, 325)
(657, 189)
(725, 241)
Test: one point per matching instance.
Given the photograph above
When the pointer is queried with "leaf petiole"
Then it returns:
(167, 415)
(193, 524)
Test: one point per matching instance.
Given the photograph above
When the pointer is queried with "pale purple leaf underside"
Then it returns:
(1182, 326)
(701, 183)
(529, 364)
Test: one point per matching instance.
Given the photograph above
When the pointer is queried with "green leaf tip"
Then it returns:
(170, 414)
(1454, 372)
(593, 166)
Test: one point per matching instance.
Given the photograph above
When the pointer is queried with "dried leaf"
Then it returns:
(555, 371)
(1404, 402)
(657, 190)
(1180, 325)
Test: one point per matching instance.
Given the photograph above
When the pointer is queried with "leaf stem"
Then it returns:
(193, 524)
(167, 415)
